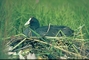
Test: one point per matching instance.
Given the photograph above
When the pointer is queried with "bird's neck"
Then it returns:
(34, 27)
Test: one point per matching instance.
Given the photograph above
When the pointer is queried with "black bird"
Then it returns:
(51, 30)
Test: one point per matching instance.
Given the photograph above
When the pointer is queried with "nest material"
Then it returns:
(75, 47)
(51, 47)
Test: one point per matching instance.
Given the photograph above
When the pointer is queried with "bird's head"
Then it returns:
(33, 23)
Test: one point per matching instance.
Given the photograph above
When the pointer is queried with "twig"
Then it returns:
(23, 47)
(47, 30)
(14, 35)
(78, 55)
(19, 44)
(65, 38)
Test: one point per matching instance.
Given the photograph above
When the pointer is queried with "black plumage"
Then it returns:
(51, 30)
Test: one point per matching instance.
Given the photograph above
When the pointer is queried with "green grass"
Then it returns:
(14, 13)
(60, 12)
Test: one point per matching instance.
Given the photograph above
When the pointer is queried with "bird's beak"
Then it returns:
(28, 22)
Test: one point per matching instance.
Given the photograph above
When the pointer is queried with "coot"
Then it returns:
(51, 30)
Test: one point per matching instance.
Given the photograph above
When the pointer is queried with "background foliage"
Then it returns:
(14, 13)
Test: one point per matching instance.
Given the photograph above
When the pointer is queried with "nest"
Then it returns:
(75, 47)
